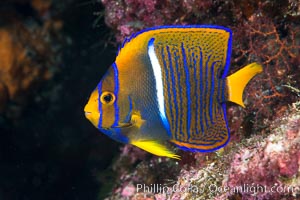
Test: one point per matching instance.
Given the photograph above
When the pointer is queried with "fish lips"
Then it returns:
(123, 125)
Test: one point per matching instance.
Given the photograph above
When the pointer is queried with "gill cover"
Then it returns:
(109, 108)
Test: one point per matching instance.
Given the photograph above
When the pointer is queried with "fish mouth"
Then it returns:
(86, 113)
(123, 125)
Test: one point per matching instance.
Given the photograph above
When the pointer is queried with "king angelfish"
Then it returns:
(170, 83)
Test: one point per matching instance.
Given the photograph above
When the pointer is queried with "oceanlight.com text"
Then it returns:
(212, 188)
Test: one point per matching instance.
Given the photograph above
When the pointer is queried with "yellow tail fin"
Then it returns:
(237, 82)
(155, 148)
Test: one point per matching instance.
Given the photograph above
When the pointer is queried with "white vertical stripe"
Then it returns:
(158, 82)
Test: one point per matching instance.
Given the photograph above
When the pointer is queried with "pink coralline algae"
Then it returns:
(271, 162)
(261, 167)
(129, 16)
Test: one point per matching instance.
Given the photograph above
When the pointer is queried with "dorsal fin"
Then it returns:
(126, 41)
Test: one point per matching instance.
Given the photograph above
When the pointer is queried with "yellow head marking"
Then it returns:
(91, 108)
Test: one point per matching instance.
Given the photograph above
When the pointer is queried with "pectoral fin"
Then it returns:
(155, 148)
(136, 119)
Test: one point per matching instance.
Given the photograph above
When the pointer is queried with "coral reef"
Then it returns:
(129, 16)
(278, 53)
(270, 162)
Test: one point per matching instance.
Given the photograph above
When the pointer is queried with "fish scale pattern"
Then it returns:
(192, 63)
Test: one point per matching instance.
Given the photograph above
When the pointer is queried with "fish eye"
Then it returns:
(107, 98)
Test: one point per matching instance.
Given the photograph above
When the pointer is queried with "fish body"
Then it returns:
(170, 83)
